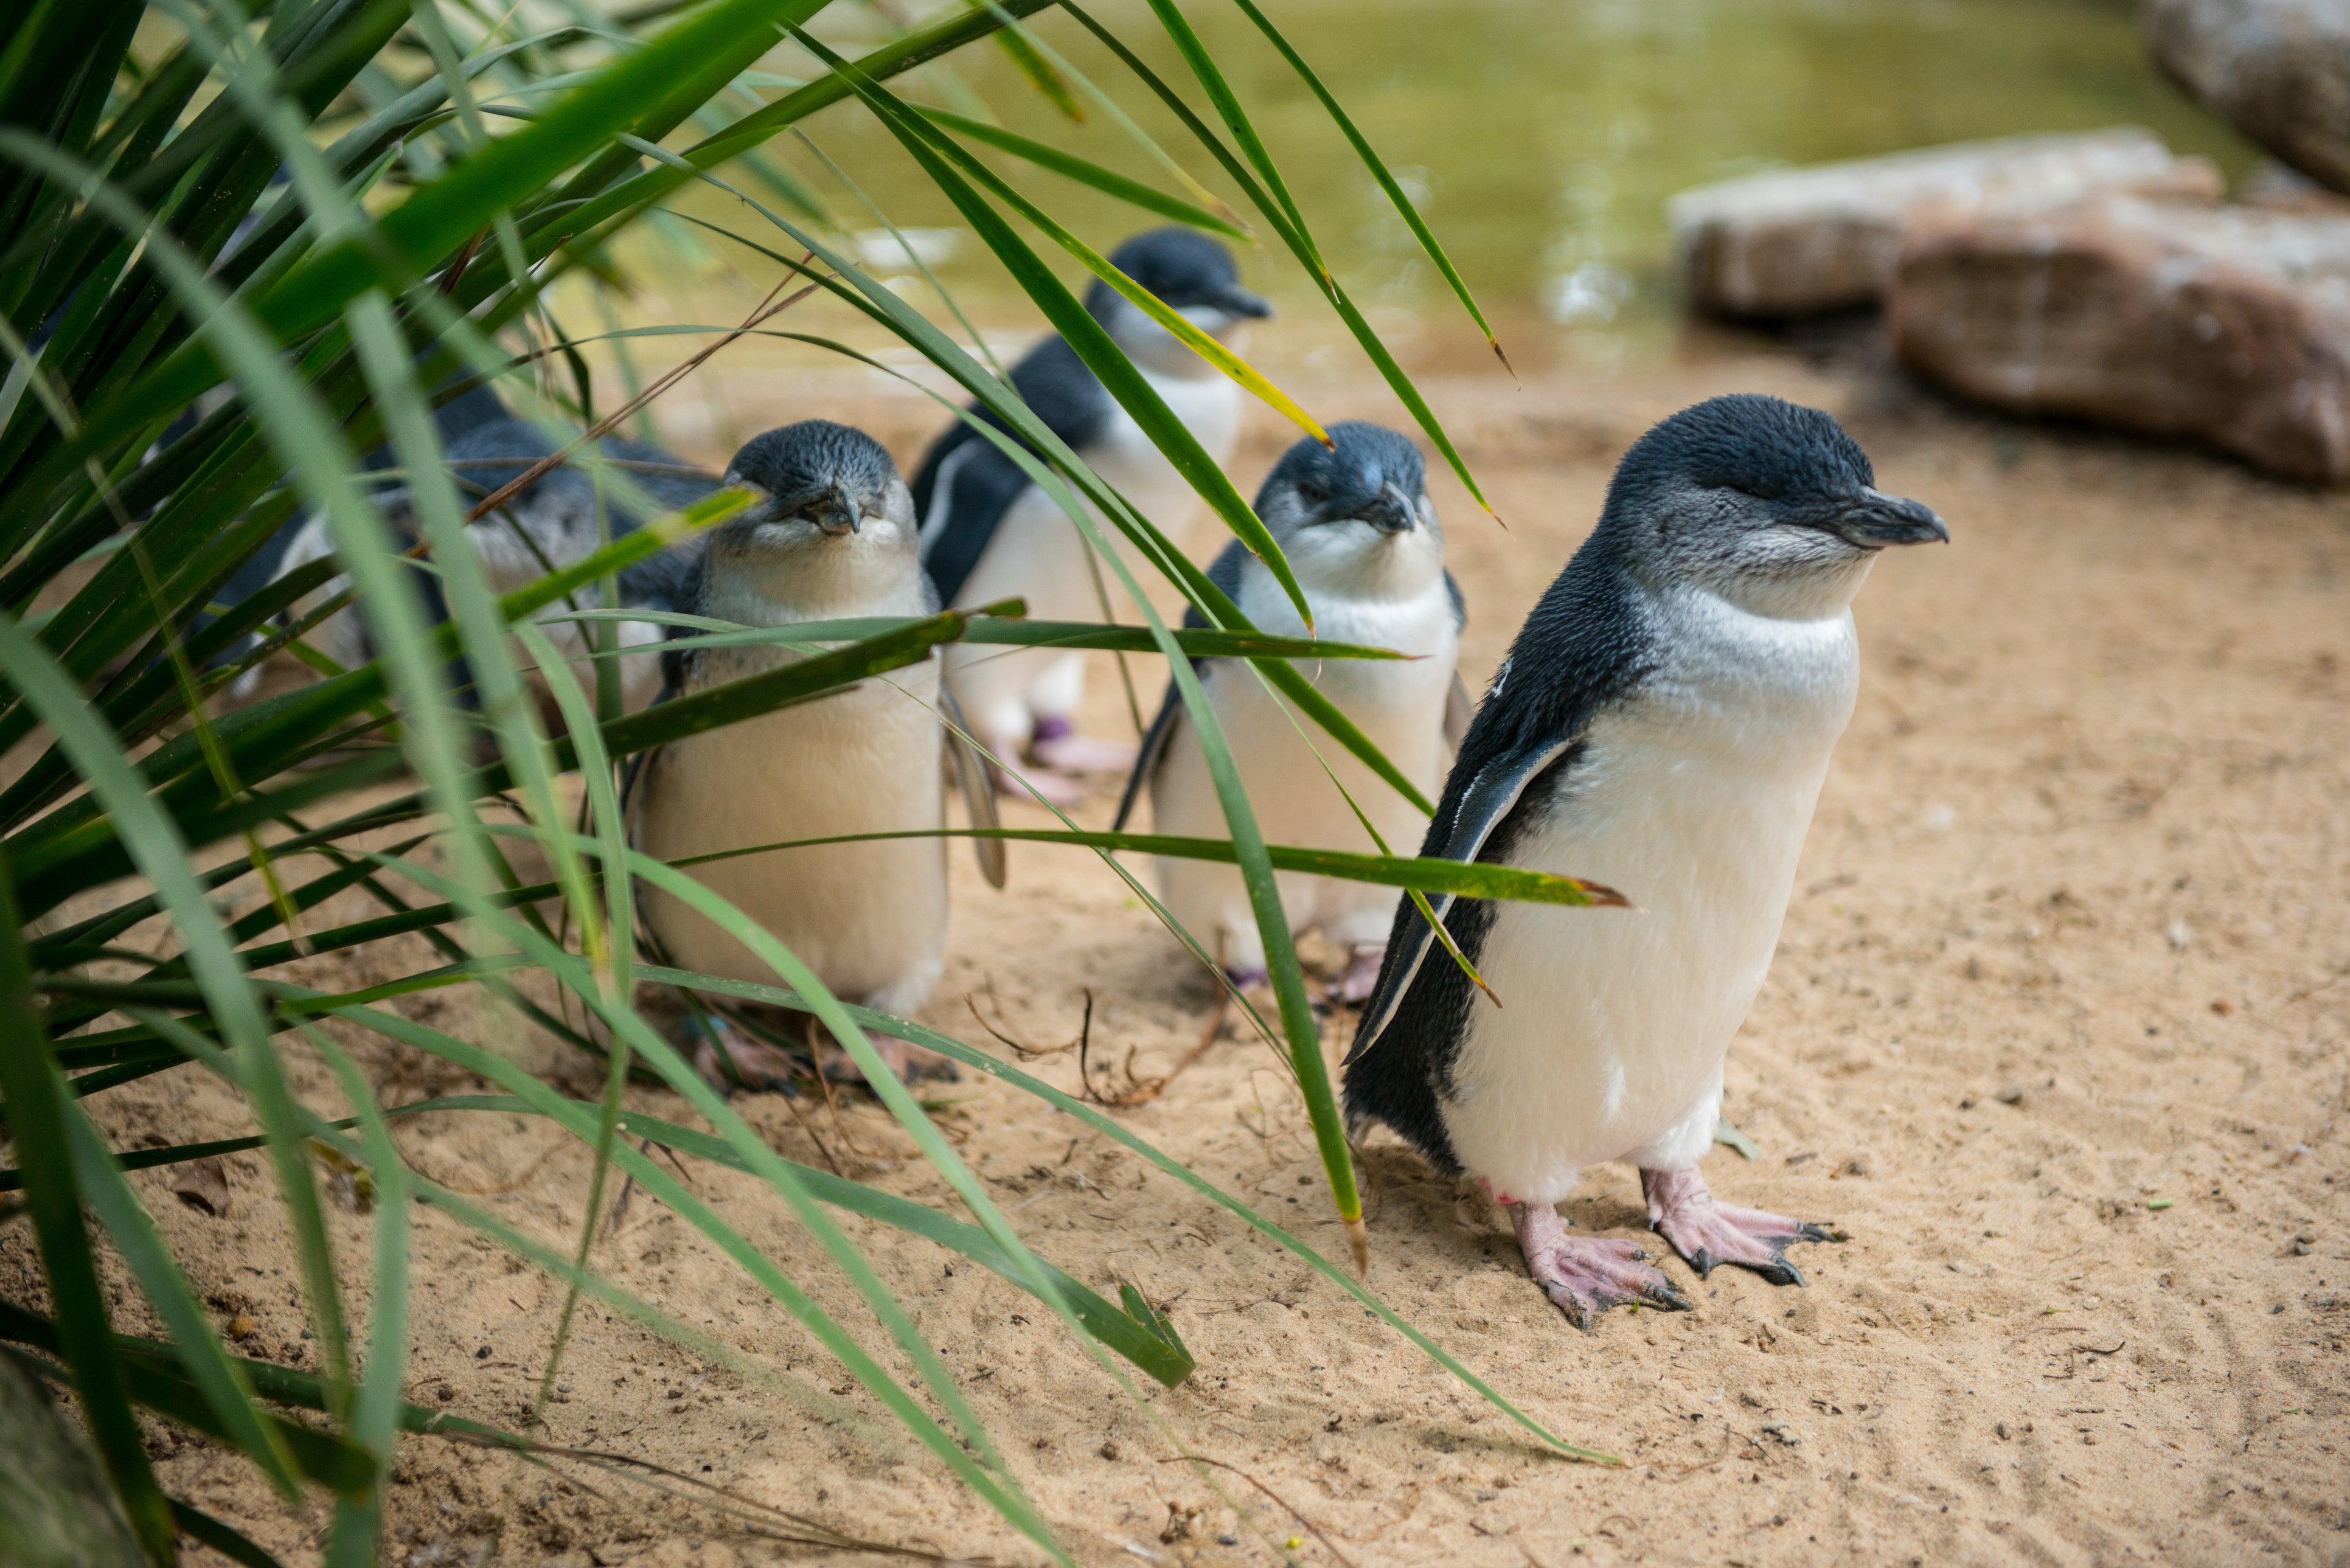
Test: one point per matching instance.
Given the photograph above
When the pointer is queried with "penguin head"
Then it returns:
(1188, 271)
(1767, 502)
(829, 490)
(1358, 505)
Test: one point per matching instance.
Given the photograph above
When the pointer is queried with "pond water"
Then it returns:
(1543, 135)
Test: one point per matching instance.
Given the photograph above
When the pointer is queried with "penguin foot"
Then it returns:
(1362, 976)
(1707, 1233)
(910, 1063)
(1058, 747)
(729, 1059)
(1064, 790)
(1585, 1275)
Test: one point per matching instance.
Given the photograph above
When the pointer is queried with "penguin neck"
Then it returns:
(1156, 351)
(1817, 591)
(1337, 561)
(835, 579)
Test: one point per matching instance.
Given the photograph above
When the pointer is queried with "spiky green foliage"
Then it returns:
(277, 236)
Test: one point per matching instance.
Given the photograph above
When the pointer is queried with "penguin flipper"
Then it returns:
(980, 484)
(977, 789)
(1464, 824)
(1153, 753)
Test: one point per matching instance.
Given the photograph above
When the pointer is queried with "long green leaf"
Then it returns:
(1279, 211)
(947, 1045)
(1077, 328)
(1133, 192)
(995, 1482)
(132, 1230)
(37, 1110)
(162, 856)
(1371, 161)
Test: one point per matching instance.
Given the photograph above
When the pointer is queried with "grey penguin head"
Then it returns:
(828, 486)
(1361, 503)
(1188, 271)
(1767, 502)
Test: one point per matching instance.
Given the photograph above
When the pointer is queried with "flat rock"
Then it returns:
(2278, 70)
(1794, 242)
(2227, 324)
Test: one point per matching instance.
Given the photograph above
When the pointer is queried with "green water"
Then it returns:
(1545, 135)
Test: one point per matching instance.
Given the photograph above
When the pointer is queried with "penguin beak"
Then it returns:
(834, 512)
(1240, 302)
(1873, 520)
(1390, 512)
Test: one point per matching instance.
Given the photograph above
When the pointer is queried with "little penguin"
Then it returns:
(305, 537)
(834, 539)
(550, 524)
(1362, 537)
(1662, 724)
(989, 534)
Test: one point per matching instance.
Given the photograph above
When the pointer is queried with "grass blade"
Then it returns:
(1110, 183)
(36, 1114)
(947, 1045)
(1082, 332)
(1371, 161)
(132, 1230)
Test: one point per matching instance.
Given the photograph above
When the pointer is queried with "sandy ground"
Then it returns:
(2069, 942)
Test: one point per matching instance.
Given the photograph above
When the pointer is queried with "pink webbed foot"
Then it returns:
(728, 1059)
(1585, 1275)
(1058, 747)
(1707, 1233)
(910, 1063)
(1362, 976)
(1062, 790)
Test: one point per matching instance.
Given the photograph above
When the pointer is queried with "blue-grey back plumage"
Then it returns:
(469, 410)
(558, 509)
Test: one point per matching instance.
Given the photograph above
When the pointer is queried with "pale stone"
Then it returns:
(1794, 242)
(2227, 324)
(2278, 70)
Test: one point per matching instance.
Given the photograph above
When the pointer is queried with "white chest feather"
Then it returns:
(1693, 799)
(1398, 705)
(870, 919)
(1286, 763)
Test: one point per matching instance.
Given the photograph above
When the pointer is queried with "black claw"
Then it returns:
(1576, 1313)
(1641, 1255)
(1702, 1264)
(1807, 1232)
(1669, 1298)
(1780, 1273)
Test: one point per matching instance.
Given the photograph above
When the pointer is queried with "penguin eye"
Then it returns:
(1312, 493)
(1753, 490)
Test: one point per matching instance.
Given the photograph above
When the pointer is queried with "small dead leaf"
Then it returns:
(204, 1184)
(1180, 1522)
